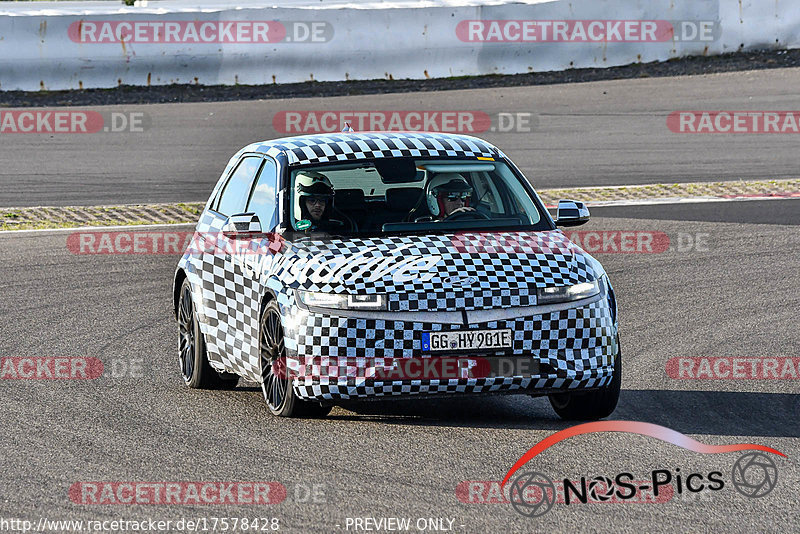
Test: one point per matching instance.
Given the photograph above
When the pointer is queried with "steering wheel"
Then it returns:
(345, 221)
(464, 212)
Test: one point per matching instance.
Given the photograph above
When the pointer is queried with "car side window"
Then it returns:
(263, 201)
(233, 198)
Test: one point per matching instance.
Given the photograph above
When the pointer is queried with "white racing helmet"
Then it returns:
(447, 184)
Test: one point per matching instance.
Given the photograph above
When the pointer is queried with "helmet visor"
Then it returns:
(456, 195)
(317, 199)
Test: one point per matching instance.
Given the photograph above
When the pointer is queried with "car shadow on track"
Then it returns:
(724, 413)
(690, 412)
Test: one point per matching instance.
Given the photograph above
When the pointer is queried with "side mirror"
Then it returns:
(242, 226)
(571, 213)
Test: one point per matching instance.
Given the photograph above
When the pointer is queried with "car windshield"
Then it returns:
(406, 195)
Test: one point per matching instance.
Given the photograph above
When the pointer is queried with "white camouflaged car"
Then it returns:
(392, 265)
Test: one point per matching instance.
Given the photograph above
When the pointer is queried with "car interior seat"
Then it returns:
(399, 202)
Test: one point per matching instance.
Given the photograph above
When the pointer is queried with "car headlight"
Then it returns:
(342, 301)
(552, 295)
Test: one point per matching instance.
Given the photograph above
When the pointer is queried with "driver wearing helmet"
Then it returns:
(446, 194)
(313, 202)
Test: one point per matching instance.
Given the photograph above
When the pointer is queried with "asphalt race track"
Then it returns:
(587, 134)
(737, 296)
(726, 287)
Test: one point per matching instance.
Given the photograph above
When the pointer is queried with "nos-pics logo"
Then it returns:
(532, 494)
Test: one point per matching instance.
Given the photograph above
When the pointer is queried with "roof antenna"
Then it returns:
(347, 128)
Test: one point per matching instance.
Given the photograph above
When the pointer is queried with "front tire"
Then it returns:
(276, 381)
(196, 372)
(591, 405)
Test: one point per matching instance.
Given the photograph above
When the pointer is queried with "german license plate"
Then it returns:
(466, 340)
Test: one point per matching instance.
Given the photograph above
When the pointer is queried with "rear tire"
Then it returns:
(591, 405)
(276, 381)
(196, 372)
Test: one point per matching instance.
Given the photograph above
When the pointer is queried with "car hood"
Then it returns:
(458, 271)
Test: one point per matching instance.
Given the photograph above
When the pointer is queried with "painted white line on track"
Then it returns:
(690, 200)
(85, 228)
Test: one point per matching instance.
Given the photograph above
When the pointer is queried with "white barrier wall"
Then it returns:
(755, 24)
(58, 48)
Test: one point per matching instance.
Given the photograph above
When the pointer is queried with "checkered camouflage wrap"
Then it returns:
(343, 355)
(573, 345)
(248, 223)
(323, 148)
(469, 280)
(226, 299)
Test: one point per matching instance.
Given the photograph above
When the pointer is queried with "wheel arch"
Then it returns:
(177, 282)
(266, 298)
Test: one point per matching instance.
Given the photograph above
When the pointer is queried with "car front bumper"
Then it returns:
(332, 356)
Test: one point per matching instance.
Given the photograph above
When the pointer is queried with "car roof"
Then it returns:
(352, 146)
